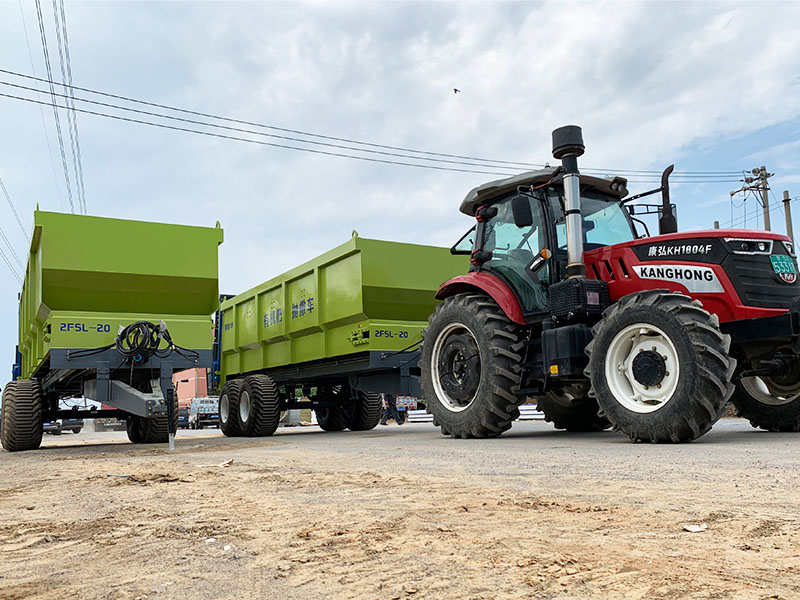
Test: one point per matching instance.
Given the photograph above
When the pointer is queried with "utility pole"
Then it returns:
(758, 183)
(763, 175)
(788, 212)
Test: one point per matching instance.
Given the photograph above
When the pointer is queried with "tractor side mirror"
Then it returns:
(521, 208)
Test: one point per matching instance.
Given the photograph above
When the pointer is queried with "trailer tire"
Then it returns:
(365, 412)
(259, 407)
(572, 409)
(22, 424)
(773, 405)
(478, 400)
(229, 408)
(153, 430)
(681, 346)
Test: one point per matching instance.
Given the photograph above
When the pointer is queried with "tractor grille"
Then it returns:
(756, 282)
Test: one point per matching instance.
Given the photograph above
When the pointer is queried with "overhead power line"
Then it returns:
(11, 249)
(258, 142)
(250, 140)
(55, 108)
(41, 108)
(10, 267)
(491, 163)
(13, 208)
(72, 116)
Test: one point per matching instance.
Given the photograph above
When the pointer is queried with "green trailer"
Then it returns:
(109, 308)
(335, 331)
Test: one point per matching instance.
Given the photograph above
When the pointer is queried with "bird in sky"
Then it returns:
(456, 91)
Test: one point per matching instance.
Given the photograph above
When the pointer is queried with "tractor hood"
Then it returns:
(495, 189)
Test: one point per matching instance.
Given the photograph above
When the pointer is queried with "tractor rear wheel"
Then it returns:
(22, 423)
(229, 408)
(572, 409)
(259, 406)
(659, 367)
(770, 403)
(470, 367)
(364, 412)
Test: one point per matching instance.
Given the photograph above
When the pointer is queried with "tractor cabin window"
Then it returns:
(605, 221)
(513, 249)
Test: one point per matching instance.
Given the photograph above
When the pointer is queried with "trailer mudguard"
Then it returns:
(489, 284)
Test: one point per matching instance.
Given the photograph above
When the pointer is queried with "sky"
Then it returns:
(708, 86)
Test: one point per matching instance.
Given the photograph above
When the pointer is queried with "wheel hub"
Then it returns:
(641, 368)
(649, 367)
(456, 367)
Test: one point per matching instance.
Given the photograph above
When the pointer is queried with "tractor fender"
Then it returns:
(484, 282)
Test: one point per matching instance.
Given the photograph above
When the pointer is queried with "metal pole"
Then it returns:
(788, 211)
(716, 224)
(762, 173)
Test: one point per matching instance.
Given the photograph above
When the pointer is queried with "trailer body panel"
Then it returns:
(364, 295)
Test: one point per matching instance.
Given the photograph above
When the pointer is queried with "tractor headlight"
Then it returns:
(749, 246)
(789, 248)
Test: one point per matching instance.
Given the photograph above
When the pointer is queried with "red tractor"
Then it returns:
(566, 303)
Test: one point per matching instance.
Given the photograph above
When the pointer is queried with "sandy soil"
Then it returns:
(290, 520)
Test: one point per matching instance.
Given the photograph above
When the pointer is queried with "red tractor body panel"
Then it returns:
(626, 272)
(478, 281)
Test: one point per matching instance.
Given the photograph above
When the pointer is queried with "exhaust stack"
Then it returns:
(568, 146)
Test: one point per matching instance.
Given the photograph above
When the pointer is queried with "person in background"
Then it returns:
(390, 410)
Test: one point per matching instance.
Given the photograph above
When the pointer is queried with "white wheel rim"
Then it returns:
(444, 398)
(244, 407)
(224, 408)
(769, 392)
(629, 392)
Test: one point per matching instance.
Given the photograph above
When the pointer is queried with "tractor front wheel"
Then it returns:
(470, 366)
(659, 367)
(770, 403)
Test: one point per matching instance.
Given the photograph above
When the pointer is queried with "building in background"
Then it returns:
(191, 383)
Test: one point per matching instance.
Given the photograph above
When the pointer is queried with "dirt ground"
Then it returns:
(402, 513)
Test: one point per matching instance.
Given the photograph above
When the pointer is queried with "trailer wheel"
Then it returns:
(470, 367)
(365, 412)
(659, 367)
(229, 408)
(572, 409)
(770, 403)
(22, 423)
(259, 408)
(153, 430)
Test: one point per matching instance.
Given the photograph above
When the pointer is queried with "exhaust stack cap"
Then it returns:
(567, 140)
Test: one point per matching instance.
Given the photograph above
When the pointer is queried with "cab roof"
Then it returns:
(494, 189)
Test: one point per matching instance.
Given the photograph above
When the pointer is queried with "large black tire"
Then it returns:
(771, 404)
(22, 423)
(333, 418)
(229, 401)
(473, 349)
(154, 430)
(259, 406)
(133, 427)
(572, 409)
(630, 344)
(365, 412)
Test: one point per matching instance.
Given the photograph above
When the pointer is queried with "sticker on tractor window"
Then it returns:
(695, 279)
(784, 268)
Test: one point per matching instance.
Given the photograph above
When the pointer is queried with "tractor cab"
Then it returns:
(521, 234)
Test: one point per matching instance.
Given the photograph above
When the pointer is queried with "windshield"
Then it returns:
(605, 221)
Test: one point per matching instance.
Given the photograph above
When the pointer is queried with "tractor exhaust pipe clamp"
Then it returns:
(567, 147)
